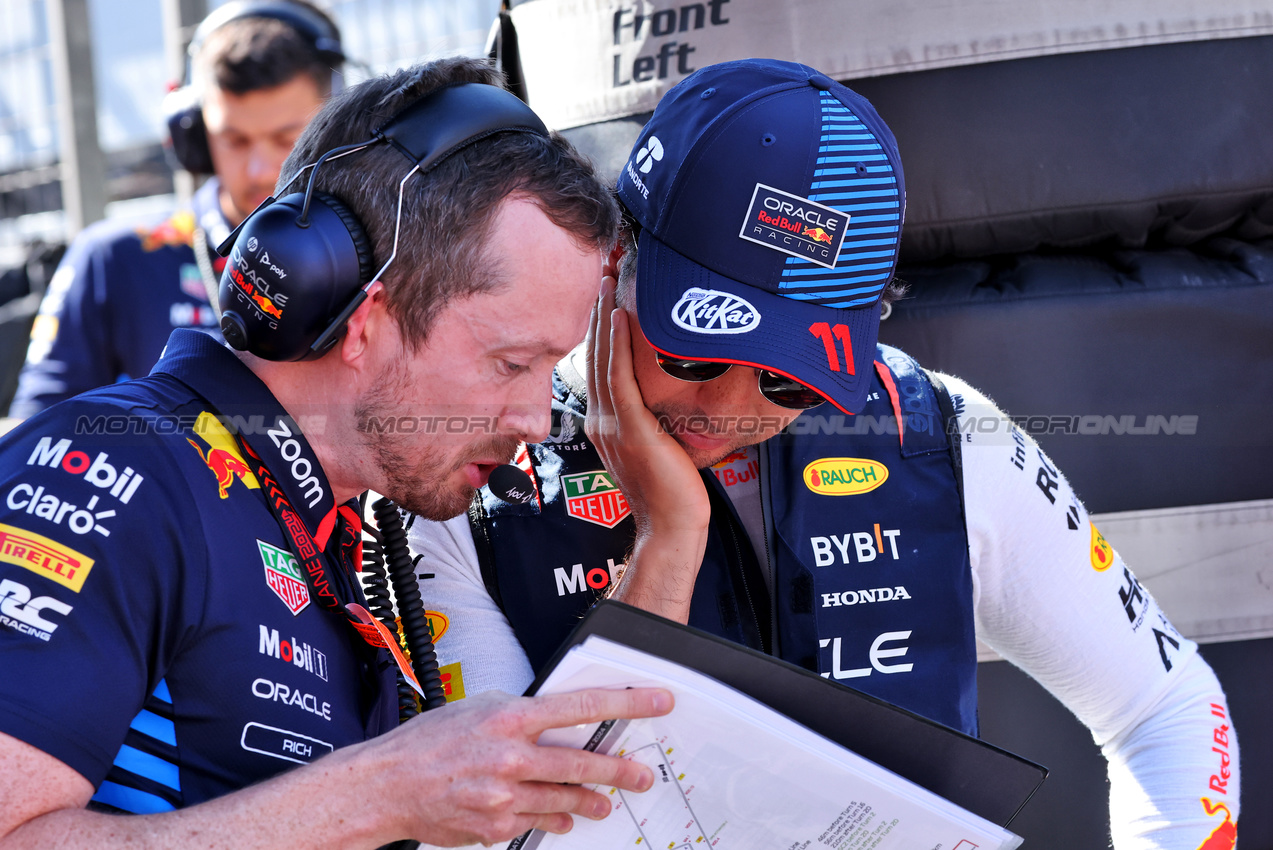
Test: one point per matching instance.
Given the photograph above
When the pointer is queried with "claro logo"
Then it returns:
(844, 476)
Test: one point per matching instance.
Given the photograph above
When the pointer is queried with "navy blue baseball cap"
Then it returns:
(771, 201)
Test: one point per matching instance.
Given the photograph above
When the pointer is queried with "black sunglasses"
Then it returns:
(777, 389)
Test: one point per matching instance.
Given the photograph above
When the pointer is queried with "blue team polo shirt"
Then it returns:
(156, 633)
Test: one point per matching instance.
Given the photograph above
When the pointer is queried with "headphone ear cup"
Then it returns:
(362, 245)
(187, 134)
(284, 283)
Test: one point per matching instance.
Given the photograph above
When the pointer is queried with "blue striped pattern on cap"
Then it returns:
(867, 256)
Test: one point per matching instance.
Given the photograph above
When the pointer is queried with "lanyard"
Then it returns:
(315, 566)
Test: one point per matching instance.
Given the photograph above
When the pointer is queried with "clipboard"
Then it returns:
(980, 777)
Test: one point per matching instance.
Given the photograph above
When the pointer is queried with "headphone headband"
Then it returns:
(293, 282)
(312, 26)
(438, 125)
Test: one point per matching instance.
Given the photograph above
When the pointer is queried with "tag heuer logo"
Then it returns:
(592, 497)
(284, 577)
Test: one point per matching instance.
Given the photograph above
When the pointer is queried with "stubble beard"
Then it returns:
(417, 475)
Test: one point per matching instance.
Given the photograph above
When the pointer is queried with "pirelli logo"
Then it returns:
(44, 557)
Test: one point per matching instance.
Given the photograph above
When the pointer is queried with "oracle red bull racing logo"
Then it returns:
(222, 457)
(593, 497)
(795, 225)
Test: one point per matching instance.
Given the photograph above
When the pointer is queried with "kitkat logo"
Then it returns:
(844, 476)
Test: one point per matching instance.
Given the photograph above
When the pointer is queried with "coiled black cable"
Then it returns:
(415, 625)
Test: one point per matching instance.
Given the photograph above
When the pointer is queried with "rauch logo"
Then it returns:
(844, 476)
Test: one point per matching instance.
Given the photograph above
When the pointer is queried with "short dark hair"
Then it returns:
(447, 213)
(254, 53)
(630, 229)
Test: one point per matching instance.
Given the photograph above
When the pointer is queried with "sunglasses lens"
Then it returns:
(788, 393)
(695, 371)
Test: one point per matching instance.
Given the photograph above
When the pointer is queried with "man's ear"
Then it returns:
(362, 322)
(611, 265)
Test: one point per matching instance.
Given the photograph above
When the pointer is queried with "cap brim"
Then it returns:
(802, 341)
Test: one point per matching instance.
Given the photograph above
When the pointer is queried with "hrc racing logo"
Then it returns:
(223, 456)
(593, 497)
(44, 557)
(18, 611)
(710, 311)
(295, 652)
(844, 476)
(283, 575)
(1102, 552)
(97, 471)
(794, 225)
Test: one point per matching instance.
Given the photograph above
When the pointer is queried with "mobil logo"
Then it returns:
(98, 471)
(844, 476)
(710, 311)
(593, 497)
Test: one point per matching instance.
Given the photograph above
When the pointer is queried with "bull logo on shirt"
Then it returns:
(1224, 836)
(222, 456)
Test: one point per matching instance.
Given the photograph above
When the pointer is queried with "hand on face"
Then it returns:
(472, 771)
(667, 496)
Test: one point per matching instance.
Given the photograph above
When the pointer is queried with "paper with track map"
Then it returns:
(733, 774)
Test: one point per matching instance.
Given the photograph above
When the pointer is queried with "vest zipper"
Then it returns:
(768, 568)
(732, 526)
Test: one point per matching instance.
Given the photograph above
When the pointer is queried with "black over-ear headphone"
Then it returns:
(300, 265)
(183, 110)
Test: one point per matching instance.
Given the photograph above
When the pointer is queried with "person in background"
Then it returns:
(260, 70)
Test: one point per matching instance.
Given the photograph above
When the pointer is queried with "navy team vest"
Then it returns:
(865, 532)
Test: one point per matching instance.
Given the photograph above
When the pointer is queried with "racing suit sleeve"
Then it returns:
(478, 636)
(1054, 598)
(70, 349)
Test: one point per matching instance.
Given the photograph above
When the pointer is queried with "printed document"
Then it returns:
(733, 774)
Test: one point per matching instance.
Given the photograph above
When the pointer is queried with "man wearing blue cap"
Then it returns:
(757, 466)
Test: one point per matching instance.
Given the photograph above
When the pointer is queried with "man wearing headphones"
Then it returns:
(182, 633)
(755, 465)
(260, 69)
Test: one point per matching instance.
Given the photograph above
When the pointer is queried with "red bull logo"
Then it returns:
(222, 456)
(817, 234)
(177, 230)
(1224, 836)
(267, 306)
